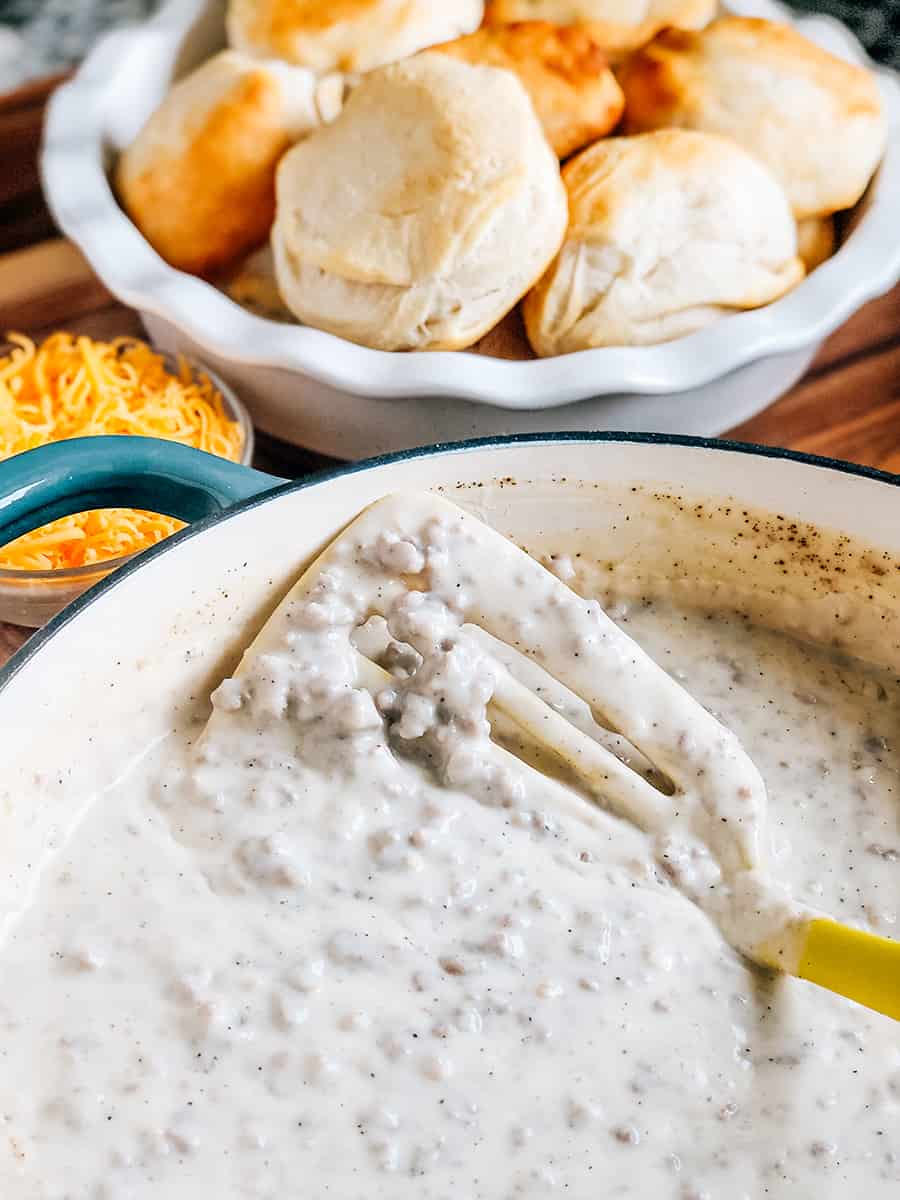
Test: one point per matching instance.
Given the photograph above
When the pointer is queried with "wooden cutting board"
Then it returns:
(23, 215)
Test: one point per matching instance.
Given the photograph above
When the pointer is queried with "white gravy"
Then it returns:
(341, 945)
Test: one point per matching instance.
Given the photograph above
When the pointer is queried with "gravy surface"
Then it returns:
(339, 945)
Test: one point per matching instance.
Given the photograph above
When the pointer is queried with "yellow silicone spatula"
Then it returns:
(859, 965)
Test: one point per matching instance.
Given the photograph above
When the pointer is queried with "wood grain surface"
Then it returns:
(847, 406)
(23, 214)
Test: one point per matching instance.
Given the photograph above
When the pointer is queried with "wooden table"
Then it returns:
(848, 405)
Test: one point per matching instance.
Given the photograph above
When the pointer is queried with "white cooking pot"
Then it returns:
(110, 673)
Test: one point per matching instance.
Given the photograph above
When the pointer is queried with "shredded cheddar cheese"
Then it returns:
(75, 387)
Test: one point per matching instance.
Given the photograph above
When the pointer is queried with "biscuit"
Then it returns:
(564, 71)
(420, 217)
(251, 283)
(199, 179)
(816, 121)
(816, 241)
(352, 36)
(618, 26)
(667, 232)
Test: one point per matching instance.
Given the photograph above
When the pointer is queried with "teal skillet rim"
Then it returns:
(17, 577)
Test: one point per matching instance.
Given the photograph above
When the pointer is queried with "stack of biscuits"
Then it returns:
(620, 173)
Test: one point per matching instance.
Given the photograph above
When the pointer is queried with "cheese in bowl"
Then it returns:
(328, 936)
(71, 386)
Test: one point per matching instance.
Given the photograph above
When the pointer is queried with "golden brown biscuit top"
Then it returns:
(564, 71)
(613, 12)
(621, 25)
(430, 149)
(667, 232)
(567, 50)
(199, 180)
(354, 36)
(276, 20)
(672, 69)
(816, 120)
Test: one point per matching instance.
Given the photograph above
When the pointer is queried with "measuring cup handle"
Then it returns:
(119, 472)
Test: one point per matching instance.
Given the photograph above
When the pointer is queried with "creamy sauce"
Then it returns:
(344, 944)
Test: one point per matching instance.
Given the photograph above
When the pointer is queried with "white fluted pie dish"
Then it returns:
(313, 388)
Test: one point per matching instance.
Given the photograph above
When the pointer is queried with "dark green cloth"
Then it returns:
(876, 25)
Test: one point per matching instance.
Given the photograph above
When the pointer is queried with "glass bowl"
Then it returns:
(31, 598)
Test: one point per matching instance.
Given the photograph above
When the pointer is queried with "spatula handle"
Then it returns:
(119, 471)
(859, 965)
